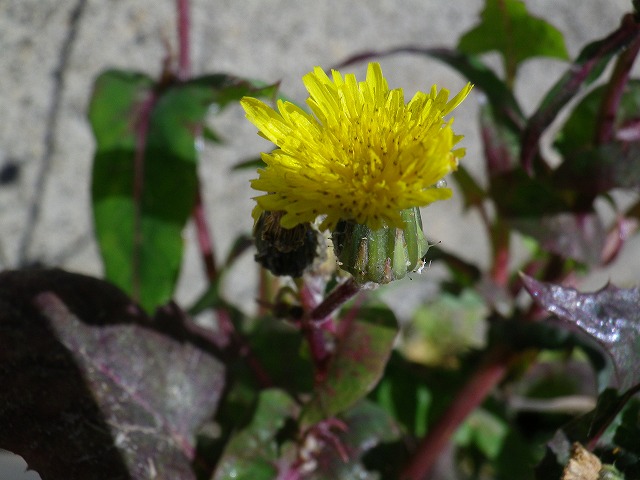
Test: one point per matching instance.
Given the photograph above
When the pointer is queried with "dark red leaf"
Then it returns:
(89, 389)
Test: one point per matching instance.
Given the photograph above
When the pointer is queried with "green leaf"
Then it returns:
(485, 431)
(250, 164)
(445, 328)
(288, 368)
(516, 194)
(628, 432)
(363, 348)
(507, 27)
(586, 429)
(252, 453)
(404, 395)
(144, 174)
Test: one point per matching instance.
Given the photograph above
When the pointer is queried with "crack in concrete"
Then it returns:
(53, 114)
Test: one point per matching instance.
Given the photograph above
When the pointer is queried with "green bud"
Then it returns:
(382, 255)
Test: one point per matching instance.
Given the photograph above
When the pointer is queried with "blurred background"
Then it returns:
(52, 50)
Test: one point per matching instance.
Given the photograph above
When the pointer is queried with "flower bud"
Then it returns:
(381, 255)
(284, 251)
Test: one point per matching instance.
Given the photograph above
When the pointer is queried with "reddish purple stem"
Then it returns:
(319, 320)
(184, 50)
(471, 395)
(613, 95)
(335, 300)
(142, 129)
(204, 237)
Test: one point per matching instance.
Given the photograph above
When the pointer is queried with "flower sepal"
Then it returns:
(382, 255)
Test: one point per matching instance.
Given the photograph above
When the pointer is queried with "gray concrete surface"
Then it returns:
(53, 49)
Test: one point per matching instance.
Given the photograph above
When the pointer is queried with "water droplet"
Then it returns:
(442, 183)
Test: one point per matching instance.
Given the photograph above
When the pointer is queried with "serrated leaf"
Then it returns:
(507, 27)
(610, 316)
(363, 348)
(252, 453)
(288, 369)
(144, 175)
(98, 395)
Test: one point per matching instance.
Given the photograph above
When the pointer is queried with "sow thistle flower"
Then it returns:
(362, 162)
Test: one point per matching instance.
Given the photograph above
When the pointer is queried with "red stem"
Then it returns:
(613, 94)
(184, 72)
(314, 332)
(471, 395)
(204, 237)
(184, 50)
(142, 128)
(318, 322)
(334, 300)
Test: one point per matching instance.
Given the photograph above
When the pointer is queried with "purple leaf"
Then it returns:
(611, 316)
(89, 389)
(580, 236)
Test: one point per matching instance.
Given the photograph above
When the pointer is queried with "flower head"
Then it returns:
(363, 154)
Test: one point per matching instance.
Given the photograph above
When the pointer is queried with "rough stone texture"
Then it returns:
(53, 49)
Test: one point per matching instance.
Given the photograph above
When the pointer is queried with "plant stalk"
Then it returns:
(605, 121)
(471, 396)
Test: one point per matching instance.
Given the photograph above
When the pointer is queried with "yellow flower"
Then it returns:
(363, 155)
